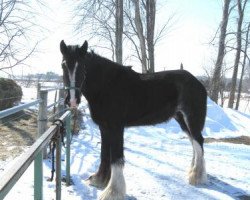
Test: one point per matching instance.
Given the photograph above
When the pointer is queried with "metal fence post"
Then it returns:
(43, 118)
(68, 141)
(58, 166)
(38, 162)
(38, 90)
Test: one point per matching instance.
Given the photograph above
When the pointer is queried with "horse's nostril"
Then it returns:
(67, 103)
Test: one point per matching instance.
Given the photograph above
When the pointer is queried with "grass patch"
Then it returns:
(17, 132)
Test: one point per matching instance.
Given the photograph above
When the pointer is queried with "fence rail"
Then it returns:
(10, 177)
(48, 89)
(36, 151)
(13, 110)
(56, 103)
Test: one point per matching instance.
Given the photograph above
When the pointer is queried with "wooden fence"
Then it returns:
(36, 152)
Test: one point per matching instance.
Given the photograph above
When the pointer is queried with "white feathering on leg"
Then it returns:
(197, 174)
(116, 188)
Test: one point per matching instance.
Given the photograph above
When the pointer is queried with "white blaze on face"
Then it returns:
(72, 79)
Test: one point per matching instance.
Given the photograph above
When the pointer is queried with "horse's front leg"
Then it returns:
(101, 178)
(116, 188)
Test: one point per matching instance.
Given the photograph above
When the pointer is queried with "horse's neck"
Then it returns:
(93, 80)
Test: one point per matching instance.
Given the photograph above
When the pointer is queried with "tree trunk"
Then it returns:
(222, 97)
(139, 29)
(118, 30)
(243, 68)
(150, 15)
(237, 57)
(221, 52)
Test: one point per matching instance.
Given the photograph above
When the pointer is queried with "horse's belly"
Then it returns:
(151, 117)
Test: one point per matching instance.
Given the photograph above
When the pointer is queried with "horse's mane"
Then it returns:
(111, 70)
(96, 59)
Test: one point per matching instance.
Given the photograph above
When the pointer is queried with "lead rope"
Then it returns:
(60, 130)
(75, 121)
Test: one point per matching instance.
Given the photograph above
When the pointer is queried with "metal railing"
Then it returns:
(16, 109)
(36, 151)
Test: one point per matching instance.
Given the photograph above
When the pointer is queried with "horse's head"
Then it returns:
(73, 71)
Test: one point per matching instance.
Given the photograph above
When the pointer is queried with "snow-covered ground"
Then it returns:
(157, 160)
(225, 122)
(30, 94)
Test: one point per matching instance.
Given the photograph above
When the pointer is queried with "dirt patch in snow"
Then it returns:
(237, 140)
(17, 132)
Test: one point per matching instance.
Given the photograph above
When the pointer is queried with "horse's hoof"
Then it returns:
(111, 194)
(197, 178)
(192, 179)
(96, 181)
(116, 189)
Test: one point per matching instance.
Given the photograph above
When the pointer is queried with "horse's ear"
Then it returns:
(84, 48)
(63, 47)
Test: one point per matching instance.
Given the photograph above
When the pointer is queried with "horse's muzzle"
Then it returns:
(73, 103)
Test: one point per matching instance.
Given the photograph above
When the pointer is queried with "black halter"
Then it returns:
(73, 85)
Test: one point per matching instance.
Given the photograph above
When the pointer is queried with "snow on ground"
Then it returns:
(157, 160)
(225, 122)
(30, 94)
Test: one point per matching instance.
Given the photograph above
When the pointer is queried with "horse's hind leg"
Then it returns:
(197, 173)
(101, 178)
(116, 188)
(180, 119)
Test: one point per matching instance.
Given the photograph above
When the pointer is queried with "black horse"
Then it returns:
(119, 97)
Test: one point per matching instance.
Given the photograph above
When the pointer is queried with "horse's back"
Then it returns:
(156, 97)
(176, 82)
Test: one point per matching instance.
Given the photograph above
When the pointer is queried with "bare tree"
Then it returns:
(118, 30)
(243, 66)
(16, 23)
(241, 4)
(150, 15)
(105, 21)
(140, 30)
(216, 79)
(209, 71)
(140, 34)
(102, 20)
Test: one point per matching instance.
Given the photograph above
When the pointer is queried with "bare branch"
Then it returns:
(166, 27)
(17, 19)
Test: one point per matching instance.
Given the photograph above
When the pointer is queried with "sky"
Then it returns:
(197, 22)
(193, 26)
